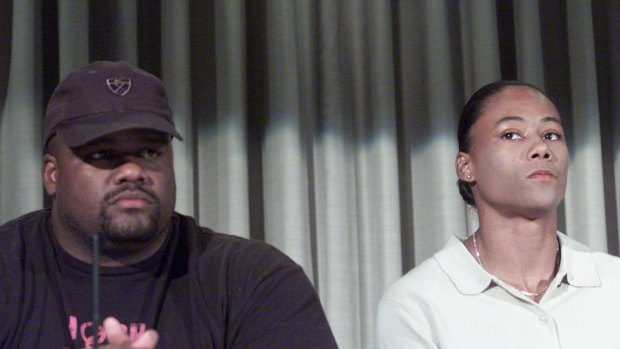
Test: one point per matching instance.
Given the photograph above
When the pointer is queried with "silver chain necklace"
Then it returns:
(526, 293)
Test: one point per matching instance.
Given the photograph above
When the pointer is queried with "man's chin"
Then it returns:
(122, 227)
(127, 237)
(129, 231)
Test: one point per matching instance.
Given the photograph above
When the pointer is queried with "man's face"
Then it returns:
(121, 185)
(518, 156)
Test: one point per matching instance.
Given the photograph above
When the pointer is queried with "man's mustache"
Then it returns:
(129, 187)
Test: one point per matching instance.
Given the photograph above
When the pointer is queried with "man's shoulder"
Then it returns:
(21, 241)
(25, 224)
(210, 246)
(268, 298)
(231, 267)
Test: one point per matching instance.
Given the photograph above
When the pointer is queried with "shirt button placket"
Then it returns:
(546, 320)
(542, 318)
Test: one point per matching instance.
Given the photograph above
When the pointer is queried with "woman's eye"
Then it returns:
(552, 136)
(511, 136)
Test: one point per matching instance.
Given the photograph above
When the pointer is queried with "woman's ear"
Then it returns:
(50, 173)
(463, 167)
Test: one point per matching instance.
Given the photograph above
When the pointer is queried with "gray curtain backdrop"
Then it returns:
(327, 128)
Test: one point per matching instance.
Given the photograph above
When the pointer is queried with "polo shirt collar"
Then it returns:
(577, 263)
(462, 268)
(470, 278)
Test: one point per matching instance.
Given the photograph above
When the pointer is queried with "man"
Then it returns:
(164, 280)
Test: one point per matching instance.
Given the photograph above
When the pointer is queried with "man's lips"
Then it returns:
(134, 199)
(542, 175)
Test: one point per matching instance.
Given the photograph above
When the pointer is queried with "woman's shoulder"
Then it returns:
(424, 276)
(428, 279)
(579, 251)
(587, 266)
(607, 264)
(414, 293)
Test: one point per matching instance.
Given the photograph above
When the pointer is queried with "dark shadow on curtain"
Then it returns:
(556, 67)
(411, 130)
(104, 33)
(403, 146)
(50, 60)
(257, 109)
(506, 37)
(6, 32)
(310, 113)
(606, 70)
(103, 26)
(203, 80)
(50, 51)
(149, 36)
(412, 134)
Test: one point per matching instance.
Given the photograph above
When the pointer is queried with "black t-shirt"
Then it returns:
(132, 294)
(200, 290)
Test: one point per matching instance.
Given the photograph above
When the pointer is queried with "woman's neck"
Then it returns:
(521, 252)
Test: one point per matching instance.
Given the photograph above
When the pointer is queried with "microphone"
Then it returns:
(95, 281)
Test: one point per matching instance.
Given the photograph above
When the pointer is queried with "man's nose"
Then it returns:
(129, 170)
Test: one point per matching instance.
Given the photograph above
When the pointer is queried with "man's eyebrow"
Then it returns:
(154, 138)
(160, 138)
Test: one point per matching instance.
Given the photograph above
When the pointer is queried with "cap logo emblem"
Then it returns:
(119, 86)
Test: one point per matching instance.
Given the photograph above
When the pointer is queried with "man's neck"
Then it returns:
(80, 246)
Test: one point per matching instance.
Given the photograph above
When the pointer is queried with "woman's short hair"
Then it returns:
(470, 114)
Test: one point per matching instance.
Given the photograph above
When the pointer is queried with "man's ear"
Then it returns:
(50, 173)
(464, 167)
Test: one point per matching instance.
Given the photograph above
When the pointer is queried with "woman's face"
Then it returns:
(518, 157)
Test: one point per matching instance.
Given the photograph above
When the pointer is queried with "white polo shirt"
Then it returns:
(450, 302)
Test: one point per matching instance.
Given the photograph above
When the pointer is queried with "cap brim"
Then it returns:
(83, 130)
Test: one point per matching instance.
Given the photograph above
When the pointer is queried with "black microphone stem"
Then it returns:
(96, 290)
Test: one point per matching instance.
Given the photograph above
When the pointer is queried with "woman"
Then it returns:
(516, 282)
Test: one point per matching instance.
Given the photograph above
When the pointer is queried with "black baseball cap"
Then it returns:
(106, 97)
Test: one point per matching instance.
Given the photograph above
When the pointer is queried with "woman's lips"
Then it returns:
(542, 175)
